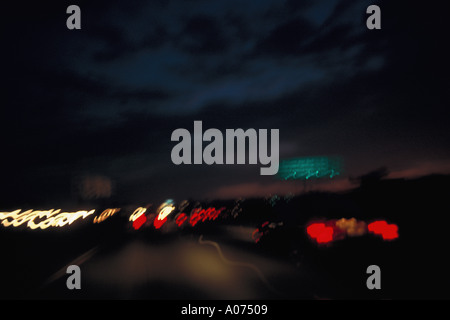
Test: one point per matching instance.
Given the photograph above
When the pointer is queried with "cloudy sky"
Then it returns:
(105, 99)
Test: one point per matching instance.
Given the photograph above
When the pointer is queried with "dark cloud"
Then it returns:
(331, 38)
(287, 38)
(297, 6)
(143, 96)
(116, 43)
(202, 35)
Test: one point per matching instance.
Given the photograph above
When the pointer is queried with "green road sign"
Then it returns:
(310, 168)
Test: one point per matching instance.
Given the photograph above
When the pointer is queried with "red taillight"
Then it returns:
(320, 232)
(139, 221)
(387, 231)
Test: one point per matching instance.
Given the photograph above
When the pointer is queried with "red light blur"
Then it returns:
(139, 221)
(203, 214)
(181, 218)
(256, 235)
(159, 223)
(381, 227)
(320, 232)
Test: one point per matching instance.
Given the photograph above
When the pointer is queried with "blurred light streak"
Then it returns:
(77, 261)
(164, 210)
(259, 232)
(180, 219)
(320, 232)
(381, 227)
(331, 230)
(265, 228)
(105, 215)
(157, 223)
(256, 235)
(239, 264)
(137, 213)
(199, 214)
(351, 227)
(53, 218)
(139, 221)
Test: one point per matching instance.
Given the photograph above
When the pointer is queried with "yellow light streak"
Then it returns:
(137, 213)
(46, 218)
(165, 211)
(105, 215)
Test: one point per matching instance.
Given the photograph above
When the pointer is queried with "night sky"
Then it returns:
(104, 100)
